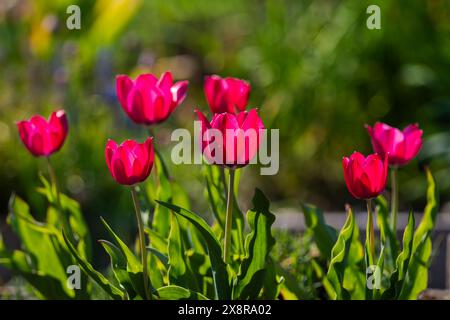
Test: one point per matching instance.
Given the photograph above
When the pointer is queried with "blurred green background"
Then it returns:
(317, 73)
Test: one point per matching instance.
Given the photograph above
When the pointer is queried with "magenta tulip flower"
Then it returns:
(240, 137)
(42, 137)
(402, 146)
(365, 177)
(130, 162)
(226, 94)
(149, 100)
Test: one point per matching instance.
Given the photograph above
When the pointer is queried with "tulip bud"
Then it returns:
(42, 137)
(366, 178)
(226, 94)
(130, 162)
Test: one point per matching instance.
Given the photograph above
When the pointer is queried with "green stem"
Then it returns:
(155, 163)
(370, 234)
(394, 199)
(229, 218)
(224, 181)
(65, 220)
(143, 248)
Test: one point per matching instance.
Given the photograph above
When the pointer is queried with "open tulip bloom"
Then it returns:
(230, 141)
(226, 94)
(149, 100)
(402, 147)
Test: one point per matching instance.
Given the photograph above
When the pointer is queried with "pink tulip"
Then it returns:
(42, 137)
(365, 177)
(130, 162)
(226, 94)
(402, 146)
(148, 100)
(240, 137)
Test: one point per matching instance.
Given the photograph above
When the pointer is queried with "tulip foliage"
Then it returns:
(185, 252)
(384, 269)
(341, 266)
(43, 258)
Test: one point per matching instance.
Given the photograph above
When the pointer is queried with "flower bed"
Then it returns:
(178, 254)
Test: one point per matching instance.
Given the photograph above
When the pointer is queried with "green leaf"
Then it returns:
(397, 277)
(161, 257)
(133, 263)
(404, 256)
(388, 236)
(161, 215)
(216, 192)
(119, 267)
(354, 279)
(272, 283)
(178, 293)
(46, 286)
(157, 270)
(339, 255)
(157, 241)
(179, 272)
(324, 235)
(134, 266)
(377, 291)
(258, 244)
(200, 265)
(78, 224)
(416, 279)
(417, 276)
(72, 207)
(218, 266)
(110, 289)
(427, 223)
(40, 242)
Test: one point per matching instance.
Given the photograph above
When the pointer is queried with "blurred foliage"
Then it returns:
(295, 254)
(317, 73)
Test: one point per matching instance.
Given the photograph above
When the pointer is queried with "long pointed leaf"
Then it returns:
(218, 266)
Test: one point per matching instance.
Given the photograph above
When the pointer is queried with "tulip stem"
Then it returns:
(224, 181)
(65, 219)
(229, 218)
(155, 163)
(370, 234)
(394, 199)
(143, 248)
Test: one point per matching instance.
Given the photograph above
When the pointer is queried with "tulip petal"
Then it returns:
(413, 141)
(136, 106)
(165, 82)
(119, 172)
(239, 93)
(123, 88)
(146, 80)
(179, 92)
